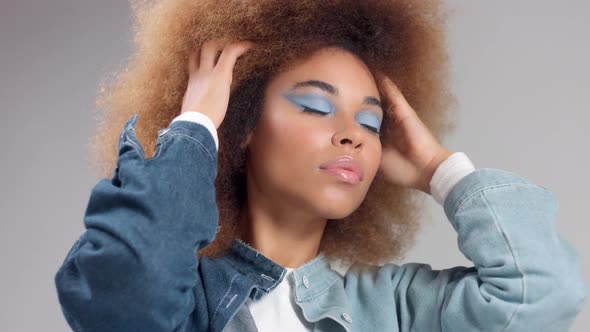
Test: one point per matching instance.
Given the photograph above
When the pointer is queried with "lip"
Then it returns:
(346, 163)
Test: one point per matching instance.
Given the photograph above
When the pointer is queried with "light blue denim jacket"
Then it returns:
(135, 268)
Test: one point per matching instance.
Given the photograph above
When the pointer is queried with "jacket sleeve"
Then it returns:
(135, 266)
(524, 277)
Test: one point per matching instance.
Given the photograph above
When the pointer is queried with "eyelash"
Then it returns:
(314, 111)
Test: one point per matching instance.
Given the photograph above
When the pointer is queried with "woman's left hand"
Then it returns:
(413, 154)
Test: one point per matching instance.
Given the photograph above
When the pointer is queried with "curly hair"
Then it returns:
(403, 39)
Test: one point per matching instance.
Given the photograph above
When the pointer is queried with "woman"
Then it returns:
(309, 190)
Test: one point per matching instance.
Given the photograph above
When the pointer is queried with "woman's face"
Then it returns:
(289, 145)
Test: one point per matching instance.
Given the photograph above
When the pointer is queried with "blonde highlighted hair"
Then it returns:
(404, 39)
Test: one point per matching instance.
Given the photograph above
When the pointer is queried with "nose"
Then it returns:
(349, 132)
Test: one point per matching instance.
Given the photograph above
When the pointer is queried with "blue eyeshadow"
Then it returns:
(323, 104)
(312, 101)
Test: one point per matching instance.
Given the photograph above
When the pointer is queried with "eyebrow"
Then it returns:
(369, 100)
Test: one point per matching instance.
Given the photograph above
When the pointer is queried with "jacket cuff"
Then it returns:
(448, 173)
(200, 118)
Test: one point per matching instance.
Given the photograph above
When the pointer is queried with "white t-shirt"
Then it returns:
(277, 310)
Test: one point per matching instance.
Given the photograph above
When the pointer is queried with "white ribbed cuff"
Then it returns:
(448, 173)
(201, 119)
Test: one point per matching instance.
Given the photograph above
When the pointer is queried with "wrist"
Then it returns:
(448, 174)
(201, 118)
(431, 168)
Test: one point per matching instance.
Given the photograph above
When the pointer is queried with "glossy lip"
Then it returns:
(346, 163)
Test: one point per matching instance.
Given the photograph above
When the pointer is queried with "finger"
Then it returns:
(209, 52)
(230, 55)
(401, 109)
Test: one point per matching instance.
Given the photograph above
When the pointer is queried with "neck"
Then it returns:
(290, 242)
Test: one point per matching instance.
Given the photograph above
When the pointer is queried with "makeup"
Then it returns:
(311, 100)
(316, 103)
(343, 175)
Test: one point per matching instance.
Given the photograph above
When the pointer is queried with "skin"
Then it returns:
(290, 198)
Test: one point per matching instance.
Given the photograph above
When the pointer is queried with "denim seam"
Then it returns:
(514, 257)
(461, 202)
(266, 289)
(224, 296)
(322, 292)
(496, 221)
(139, 149)
(158, 150)
(192, 139)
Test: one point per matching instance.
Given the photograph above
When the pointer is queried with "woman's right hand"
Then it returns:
(209, 82)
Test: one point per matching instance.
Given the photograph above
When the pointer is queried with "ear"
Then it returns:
(246, 142)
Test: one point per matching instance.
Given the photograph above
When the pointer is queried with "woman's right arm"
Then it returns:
(135, 267)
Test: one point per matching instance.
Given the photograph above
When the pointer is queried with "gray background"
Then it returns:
(520, 73)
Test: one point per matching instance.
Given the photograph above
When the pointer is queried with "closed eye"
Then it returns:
(373, 129)
(312, 110)
(315, 111)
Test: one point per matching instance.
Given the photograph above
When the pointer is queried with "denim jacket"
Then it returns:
(135, 267)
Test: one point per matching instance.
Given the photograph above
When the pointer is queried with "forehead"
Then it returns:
(338, 67)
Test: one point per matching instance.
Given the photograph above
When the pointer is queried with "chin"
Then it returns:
(337, 211)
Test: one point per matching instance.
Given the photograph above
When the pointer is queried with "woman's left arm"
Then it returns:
(525, 276)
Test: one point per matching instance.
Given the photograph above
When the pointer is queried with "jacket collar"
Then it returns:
(267, 274)
(318, 281)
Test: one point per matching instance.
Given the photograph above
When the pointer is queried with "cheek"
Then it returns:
(373, 155)
(377, 153)
(300, 144)
(288, 146)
